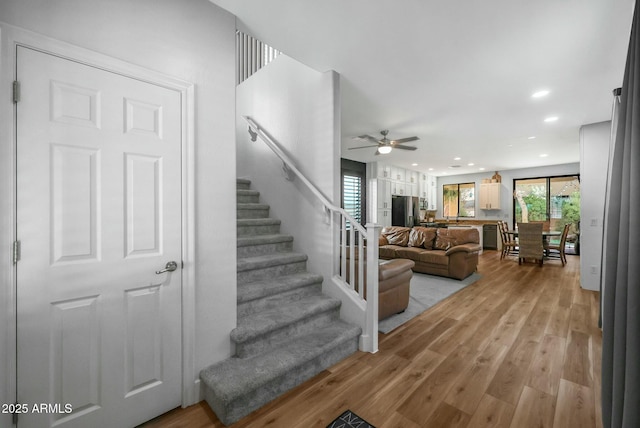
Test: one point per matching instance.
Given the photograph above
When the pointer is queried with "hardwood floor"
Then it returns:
(518, 348)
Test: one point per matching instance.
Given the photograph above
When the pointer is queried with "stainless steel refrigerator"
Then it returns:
(405, 211)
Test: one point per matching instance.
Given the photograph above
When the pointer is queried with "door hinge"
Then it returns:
(16, 91)
(16, 252)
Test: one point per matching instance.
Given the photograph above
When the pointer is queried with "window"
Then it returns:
(354, 189)
(352, 196)
(459, 200)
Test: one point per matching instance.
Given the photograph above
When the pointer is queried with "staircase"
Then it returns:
(287, 330)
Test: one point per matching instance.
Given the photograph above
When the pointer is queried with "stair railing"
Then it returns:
(358, 280)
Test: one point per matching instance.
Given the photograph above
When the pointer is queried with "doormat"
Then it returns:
(349, 420)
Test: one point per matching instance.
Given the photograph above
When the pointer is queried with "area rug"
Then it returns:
(348, 420)
(426, 291)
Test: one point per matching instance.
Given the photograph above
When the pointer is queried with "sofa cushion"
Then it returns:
(396, 235)
(388, 252)
(411, 253)
(435, 257)
(422, 237)
(444, 241)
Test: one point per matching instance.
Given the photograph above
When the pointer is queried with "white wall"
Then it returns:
(299, 108)
(594, 160)
(193, 41)
(506, 196)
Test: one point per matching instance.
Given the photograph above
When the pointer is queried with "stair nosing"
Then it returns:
(245, 264)
(254, 325)
(271, 238)
(271, 287)
(236, 387)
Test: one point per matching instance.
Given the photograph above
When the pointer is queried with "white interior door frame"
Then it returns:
(10, 38)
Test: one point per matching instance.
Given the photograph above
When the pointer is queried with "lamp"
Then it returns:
(383, 150)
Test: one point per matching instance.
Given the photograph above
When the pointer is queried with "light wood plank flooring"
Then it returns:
(519, 348)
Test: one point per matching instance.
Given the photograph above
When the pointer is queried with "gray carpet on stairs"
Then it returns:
(287, 330)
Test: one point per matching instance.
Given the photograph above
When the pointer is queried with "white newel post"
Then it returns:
(371, 322)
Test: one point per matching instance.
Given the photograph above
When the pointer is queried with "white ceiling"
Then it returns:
(458, 74)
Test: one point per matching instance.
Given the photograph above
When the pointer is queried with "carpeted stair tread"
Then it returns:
(258, 221)
(252, 206)
(259, 289)
(247, 192)
(246, 241)
(232, 378)
(289, 312)
(243, 181)
(269, 260)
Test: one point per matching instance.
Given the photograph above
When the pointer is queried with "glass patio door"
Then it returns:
(555, 201)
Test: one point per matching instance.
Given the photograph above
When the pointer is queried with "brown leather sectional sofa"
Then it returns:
(437, 251)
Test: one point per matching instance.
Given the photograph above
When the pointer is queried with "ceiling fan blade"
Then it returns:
(370, 138)
(404, 140)
(405, 147)
(362, 147)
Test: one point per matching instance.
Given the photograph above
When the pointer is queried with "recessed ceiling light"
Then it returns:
(414, 164)
(544, 155)
(457, 158)
(470, 164)
(551, 119)
(533, 137)
(540, 94)
(430, 169)
(481, 169)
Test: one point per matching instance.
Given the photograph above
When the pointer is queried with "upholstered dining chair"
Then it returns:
(509, 244)
(557, 251)
(530, 242)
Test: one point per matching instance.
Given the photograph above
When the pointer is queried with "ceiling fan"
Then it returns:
(385, 145)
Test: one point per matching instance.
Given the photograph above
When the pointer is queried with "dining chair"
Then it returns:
(557, 251)
(509, 244)
(530, 242)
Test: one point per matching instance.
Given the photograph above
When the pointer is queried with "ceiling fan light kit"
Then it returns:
(384, 145)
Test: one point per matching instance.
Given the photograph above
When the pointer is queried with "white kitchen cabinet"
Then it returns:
(398, 174)
(432, 193)
(383, 218)
(378, 170)
(423, 187)
(383, 194)
(489, 197)
(398, 188)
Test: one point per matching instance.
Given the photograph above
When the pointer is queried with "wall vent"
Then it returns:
(252, 55)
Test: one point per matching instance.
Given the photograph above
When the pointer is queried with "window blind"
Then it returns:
(352, 196)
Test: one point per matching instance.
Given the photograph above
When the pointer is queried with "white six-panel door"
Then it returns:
(98, 213)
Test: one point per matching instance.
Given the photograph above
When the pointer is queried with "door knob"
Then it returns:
(170, 267)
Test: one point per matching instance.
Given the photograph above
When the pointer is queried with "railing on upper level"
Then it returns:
(359, 281)
(251, 55)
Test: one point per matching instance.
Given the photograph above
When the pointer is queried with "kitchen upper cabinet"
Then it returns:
(398, 188)
(378, 170)
(489, 198)
(423, 187)
(398, 174)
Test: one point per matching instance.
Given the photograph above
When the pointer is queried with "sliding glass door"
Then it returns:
(554, 201)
